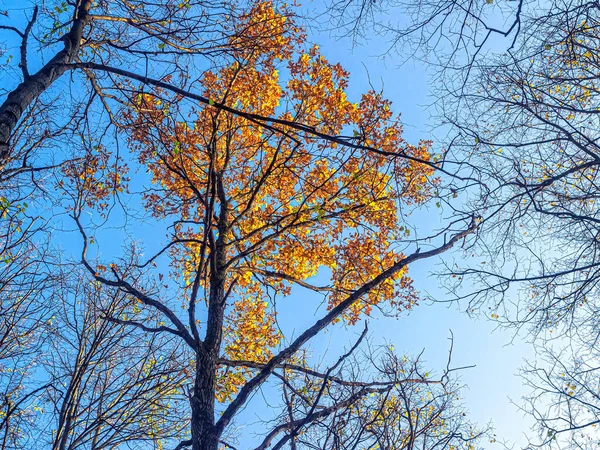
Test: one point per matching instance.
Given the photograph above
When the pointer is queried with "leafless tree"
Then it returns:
(74, 378)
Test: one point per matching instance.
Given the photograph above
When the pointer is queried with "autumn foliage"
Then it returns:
(289, 206)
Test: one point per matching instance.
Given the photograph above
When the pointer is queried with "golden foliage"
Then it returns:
(288, 205)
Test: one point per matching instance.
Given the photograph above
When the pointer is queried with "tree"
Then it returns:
(22, 322)
(106, 389)
(564, 398)
(73, 379)
(102, 33)
(534, 120)
(258, 194)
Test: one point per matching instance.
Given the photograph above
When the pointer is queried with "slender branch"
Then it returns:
(23, 48)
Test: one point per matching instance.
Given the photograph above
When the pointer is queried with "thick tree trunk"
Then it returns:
(205, 436)
(17, 102)
(204, 433)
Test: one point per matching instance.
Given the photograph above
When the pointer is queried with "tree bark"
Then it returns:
(205, 434)
(17, 101)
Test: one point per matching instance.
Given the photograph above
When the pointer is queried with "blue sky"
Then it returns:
(497, 353)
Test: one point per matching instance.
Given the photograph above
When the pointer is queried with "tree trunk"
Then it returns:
(205, 435)
(17, 101)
